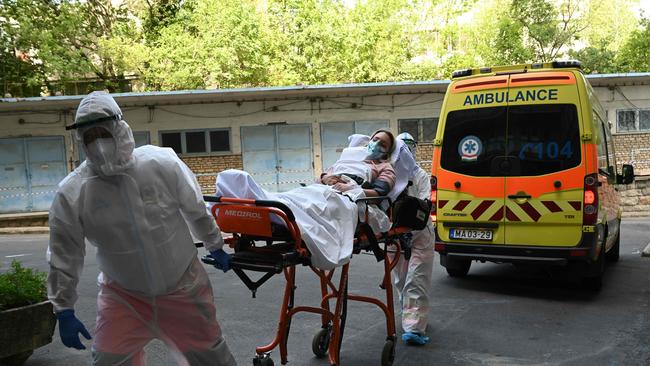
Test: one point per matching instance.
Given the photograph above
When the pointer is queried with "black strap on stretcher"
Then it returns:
(254, 262)
(365, 228)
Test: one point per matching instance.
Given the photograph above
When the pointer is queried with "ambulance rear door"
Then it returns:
(544, 184)
(470, 188)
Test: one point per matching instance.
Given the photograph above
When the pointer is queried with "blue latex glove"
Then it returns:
(69, 329)
(223, 259)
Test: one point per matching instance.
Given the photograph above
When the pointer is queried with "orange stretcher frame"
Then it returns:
(249, 221)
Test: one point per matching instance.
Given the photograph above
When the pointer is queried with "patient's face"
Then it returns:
(383, 140)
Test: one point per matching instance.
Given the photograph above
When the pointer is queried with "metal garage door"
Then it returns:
(334, 136)
(278, 157)
(30, 170)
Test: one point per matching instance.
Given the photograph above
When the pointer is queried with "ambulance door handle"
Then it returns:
(519, 196)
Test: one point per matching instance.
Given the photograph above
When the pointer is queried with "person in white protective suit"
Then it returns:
(138, 207)
(413, 277)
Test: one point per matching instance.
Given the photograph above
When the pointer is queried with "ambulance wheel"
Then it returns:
(388, 353)
(615, 251)
(594, 281)
(457, 267)
(321, 342)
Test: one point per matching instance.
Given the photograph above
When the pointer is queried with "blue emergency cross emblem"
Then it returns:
(470, 148)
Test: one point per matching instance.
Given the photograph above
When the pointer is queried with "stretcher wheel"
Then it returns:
(262, 361)
(321, 342)
(388, 353)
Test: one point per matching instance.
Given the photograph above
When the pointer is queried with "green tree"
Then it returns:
(609, 23)
(212, 43)
(378, 41)
(634, 55)
(61, 39)
(596, 59)
(508, 45)
(309, 37)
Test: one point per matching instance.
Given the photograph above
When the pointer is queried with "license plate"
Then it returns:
(470, 234)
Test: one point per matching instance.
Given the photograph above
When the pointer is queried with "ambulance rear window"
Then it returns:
(473, 139)
(544, 138)
(523, 140)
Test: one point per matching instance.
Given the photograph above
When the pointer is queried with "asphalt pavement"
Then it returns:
(498, 315)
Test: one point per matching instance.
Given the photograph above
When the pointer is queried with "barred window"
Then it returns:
(196, 141)
(632, 120)
(422, 129)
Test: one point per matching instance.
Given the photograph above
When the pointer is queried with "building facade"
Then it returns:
(283, 136)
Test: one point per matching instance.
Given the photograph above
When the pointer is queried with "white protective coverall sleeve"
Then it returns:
(65, 253)
(421, 187)
(413, 277)
(200, 221)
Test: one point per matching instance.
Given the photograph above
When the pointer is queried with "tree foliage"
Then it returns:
(62, 40)
(635, 52)
(188, 44)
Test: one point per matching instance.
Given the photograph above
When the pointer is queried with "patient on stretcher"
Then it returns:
(366, 163)
(327, 214)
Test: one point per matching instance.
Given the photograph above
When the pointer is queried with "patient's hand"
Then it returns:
(331, 180)
(342, 187)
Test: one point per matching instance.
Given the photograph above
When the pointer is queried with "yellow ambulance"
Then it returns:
(524, 171)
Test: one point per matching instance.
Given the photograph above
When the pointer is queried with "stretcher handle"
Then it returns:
(261, 203)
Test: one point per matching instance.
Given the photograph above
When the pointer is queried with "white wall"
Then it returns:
(233, 116)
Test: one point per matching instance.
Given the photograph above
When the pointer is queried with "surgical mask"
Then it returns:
(102, 151)
(375, 151)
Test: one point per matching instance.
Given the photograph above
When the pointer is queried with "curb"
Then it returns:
(25, 230)
(646, 251)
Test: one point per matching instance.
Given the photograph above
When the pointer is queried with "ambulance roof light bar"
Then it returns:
(566, 63)
(509, 69)
(461, 73)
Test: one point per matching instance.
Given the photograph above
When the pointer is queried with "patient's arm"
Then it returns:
(331, 180)
(377, 188)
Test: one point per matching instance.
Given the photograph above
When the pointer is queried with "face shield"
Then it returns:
(410, 142)
(411, 145)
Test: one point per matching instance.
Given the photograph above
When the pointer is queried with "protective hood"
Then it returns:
(106, 158)
(357, 140)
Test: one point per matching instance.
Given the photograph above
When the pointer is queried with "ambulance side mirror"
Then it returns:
(628, 175)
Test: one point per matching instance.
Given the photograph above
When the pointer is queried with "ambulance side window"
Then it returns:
(603, 164)
(606, 154)
(611, 152)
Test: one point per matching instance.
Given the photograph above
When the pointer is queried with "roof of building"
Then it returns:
(279, 93)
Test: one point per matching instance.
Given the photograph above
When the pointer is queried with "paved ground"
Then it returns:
(496, 316)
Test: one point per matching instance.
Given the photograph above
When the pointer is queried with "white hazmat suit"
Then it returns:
(413, 277)
(138, 207)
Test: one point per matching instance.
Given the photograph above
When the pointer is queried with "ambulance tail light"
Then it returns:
(590, 200)
(434, 199)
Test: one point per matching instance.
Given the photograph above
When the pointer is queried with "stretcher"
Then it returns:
(266, 238)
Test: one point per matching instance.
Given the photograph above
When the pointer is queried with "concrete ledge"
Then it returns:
(25, 230)
(24, 219)
(637, 214)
